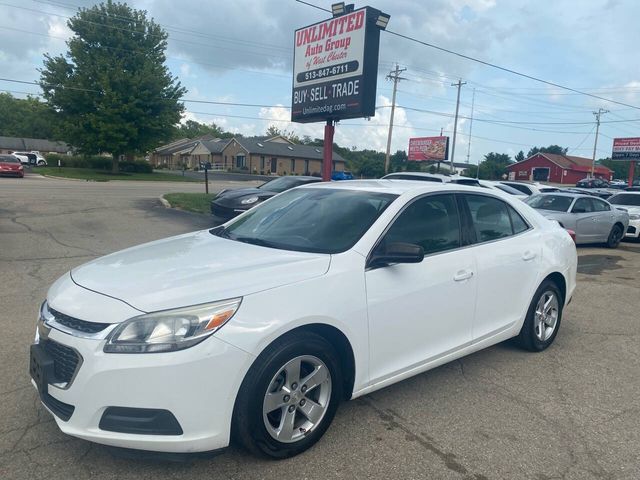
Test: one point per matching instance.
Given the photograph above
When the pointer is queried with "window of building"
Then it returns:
(293, 165)
(241, 161)
(262, 164)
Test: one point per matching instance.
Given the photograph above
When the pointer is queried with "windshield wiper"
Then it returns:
(254, 241)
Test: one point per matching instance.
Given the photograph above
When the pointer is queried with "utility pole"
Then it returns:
(595, 144)
(395, 76)
(473, 101)
(455, 125)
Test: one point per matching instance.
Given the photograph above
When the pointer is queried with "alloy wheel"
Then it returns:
(297, 399)
(546, 316)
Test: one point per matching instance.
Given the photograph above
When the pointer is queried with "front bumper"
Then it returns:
(198, 386)
(225, 212)
(633, 230)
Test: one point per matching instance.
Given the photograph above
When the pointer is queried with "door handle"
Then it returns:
(528, 255)
(463, 275)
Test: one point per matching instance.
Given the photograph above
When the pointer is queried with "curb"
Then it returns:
(165, 203)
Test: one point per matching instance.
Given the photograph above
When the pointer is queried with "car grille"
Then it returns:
(77, 324)
(60, 409)
(65, 360)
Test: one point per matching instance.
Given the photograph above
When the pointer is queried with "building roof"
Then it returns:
(263, 145)
(568, 162)
(28, 144)
(268, 147)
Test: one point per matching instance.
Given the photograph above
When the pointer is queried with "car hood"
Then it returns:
(15, 166)
(195, 268)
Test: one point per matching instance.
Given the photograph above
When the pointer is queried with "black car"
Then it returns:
(230, 203)
(592, 183)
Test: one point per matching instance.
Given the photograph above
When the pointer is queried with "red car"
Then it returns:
(11, 166)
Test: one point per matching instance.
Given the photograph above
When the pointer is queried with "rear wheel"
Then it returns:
(543, 318)
(615, 236)
(41, 163)
(289, 396)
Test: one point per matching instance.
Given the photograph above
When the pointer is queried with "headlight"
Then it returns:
(249, 201)
(170, 330)
(634, 216)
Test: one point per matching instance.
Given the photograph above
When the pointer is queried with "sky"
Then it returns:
(241, 51)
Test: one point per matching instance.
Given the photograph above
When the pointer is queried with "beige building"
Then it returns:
(261, 155)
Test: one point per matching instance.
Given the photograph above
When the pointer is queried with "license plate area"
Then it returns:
(41, 368)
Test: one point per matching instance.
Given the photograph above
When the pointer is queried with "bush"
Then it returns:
(97, 162)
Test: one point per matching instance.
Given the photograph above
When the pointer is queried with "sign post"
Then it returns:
(335, 71)
(627, 150)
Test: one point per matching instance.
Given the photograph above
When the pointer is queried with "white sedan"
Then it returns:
(630, 202)
(258, 329)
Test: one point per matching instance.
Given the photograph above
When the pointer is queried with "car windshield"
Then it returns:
(8, 159)
(556, 203)
(319, 220)
(625, 199)
(281, 184)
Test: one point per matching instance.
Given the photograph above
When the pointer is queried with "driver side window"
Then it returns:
(431, 222)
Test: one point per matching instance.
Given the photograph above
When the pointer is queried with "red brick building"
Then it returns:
(554, 168)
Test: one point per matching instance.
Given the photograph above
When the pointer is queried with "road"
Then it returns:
(571, 412)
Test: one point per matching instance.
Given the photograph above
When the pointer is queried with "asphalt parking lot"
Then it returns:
(570, 412)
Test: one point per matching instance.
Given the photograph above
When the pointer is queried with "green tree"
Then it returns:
(557, 149)
(28, 117)
(194, 129)
(112, 89)
(620, 169)
(520, 156)
(398, 161)
(492, 167)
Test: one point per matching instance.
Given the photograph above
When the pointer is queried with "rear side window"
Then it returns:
(431, 222)
(492, 218)
(582, 205)
(523, 188)
(517, 222)
(600, 206)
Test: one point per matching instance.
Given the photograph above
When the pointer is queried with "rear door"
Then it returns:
(507, 252)
(605, 219)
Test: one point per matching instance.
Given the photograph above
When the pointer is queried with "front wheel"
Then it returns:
(615, 236)
(289, 396)
(543, 318)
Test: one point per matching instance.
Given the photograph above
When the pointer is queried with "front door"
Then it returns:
(587, 224)
(419, 312)
(274, 165)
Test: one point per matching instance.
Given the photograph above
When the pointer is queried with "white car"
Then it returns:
(31, 158)
(530, 188)
(259, 328)
(629, 201)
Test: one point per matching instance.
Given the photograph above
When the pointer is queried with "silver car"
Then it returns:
(592, 219)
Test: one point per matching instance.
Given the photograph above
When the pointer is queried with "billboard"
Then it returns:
(626, 149)
(428, 149)
(335, 68)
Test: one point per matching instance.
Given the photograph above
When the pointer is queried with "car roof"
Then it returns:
(399, 187)
(567, 194)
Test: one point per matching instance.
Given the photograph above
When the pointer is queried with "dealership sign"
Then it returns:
(626, 149)
(335, 68)
(423, 149)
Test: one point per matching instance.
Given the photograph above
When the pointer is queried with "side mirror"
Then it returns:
(397, 252)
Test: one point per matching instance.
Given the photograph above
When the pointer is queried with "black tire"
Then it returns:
(248, 427)
(41, 163)
(527, 338)
(615, 236)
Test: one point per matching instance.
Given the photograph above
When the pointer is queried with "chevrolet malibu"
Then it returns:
(256, 330)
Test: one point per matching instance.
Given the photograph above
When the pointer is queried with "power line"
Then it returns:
(394, 76)
(492, 65)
